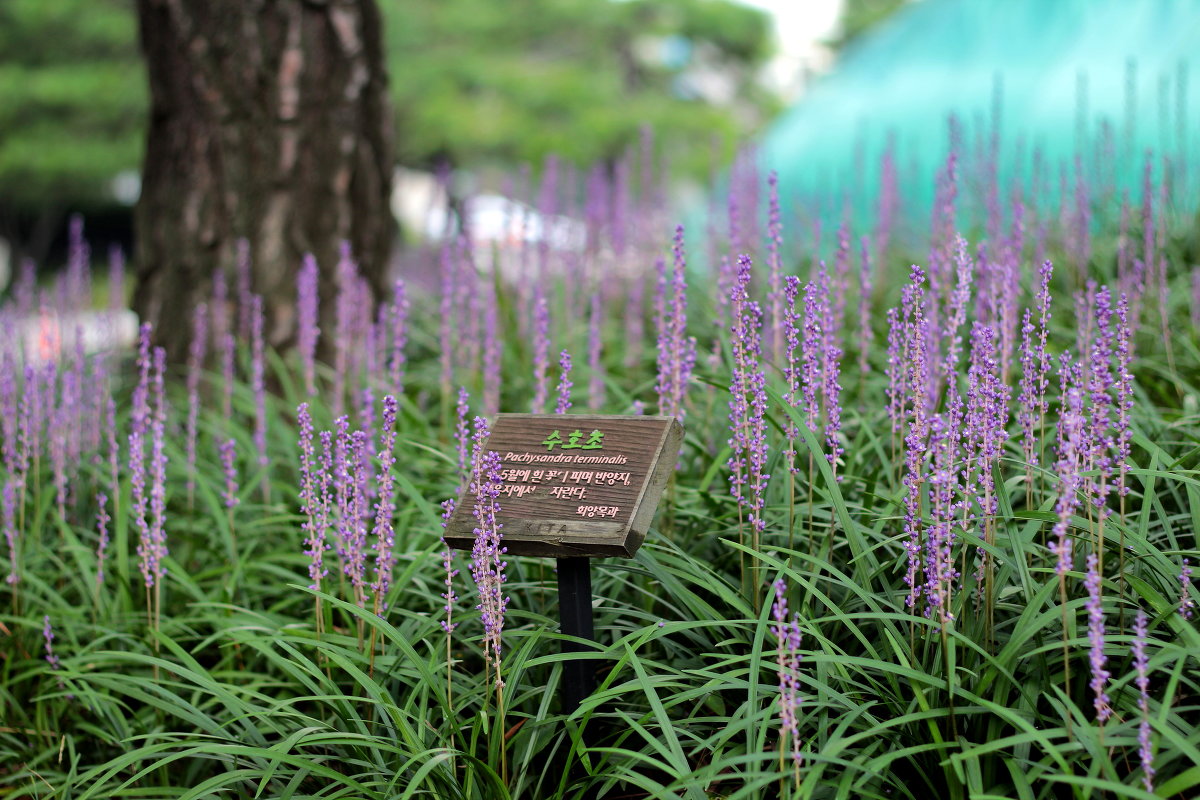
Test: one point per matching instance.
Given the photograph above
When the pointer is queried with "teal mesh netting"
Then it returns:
(1103, 80)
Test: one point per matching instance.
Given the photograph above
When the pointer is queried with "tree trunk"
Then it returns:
(269, 122)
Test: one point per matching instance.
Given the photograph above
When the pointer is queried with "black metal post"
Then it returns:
(575, 617)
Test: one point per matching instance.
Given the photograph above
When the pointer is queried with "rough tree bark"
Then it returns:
(269, 122)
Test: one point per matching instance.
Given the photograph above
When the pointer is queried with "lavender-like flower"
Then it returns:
(791, 369)
(156, 547)
(48, 637)
(748, 404)
(1187, 605)
(196, 353)
(1123, 350)
(541, 350)
(9, 411)
(492, 345)
(676, 351)
(1099, 383)
(228, 453)
(564, 383)
(258, 381)
(308, 321)
(487, 554)
(595, 351)
(346, 311)
(775, 284)
(812, 345)
(398, 320)
(915, 362)
(139, 426)
(831, 355)
(1097, 658)
(1142, 680)
(1034, 395)
(358, 468)
(243, 274)
(228, 362)
(385, 509)
(895, 370)
(102, 520)
(865, 333)
(449, 572)
(787, 659)
(1070, 462)
(314, 500)
(9, 510)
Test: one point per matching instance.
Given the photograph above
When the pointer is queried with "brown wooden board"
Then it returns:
(575, 484)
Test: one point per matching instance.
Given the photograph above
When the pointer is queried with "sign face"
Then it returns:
(575, 484)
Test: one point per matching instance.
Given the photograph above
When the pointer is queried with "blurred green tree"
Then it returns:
(72, 111)
(473, 83)
(480, 82)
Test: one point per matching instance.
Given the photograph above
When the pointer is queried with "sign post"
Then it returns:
(575, 487)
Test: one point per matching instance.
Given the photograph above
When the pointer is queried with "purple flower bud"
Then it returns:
(228, 453)
(595, 351)
(449, 572)
(308, 321)
(487, 554)
(748, 402)
(787, 659)
(564, 383)
(385, 509)
(258, 381)
(196, 353)
(1142, 680)
(541, 350)
(8, 512)
(1097, 658)
(48, 637)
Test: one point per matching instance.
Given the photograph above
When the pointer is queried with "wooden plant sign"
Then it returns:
(575, 485)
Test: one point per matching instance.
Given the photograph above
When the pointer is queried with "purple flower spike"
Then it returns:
(775, 283)
(1142, 679)
(676, 350)
(541, 350)
(564, 383)
(228, 453)
(399, 323)
(787, 659)
(449, 571)
(158, 475)
(258, 381)
(595, 352)
(314, 500)
(48, 637)
(307, 327)
(1097, 658)
(385, 509)
(196, 355)
(791, 369)
(139, 427)
(748, 402)
(487, 554)
(1070, 463)
(8, 509)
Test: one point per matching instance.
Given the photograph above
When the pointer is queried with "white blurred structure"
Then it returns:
(50, 336)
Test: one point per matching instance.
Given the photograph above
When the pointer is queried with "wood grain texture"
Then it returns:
(619, 499)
